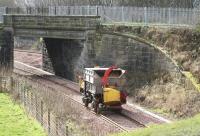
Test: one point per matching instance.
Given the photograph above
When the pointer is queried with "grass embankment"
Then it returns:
(14, 121)
(189, 127)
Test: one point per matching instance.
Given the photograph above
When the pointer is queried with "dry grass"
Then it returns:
(61, 107)
(177, 100)
(182, 44)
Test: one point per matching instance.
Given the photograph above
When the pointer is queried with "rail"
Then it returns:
(71, 87)
(75, 89)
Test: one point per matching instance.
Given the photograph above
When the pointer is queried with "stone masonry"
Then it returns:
(6, 51)
(74, 42)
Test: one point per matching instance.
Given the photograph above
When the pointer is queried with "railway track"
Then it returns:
(72, 86)
(120, 121)
(137, 117)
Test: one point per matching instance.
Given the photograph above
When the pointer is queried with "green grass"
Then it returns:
(189, 127)
(14, 121)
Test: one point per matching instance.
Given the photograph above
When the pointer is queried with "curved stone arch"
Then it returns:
(186, 74)
(150, 44)
(143, 61)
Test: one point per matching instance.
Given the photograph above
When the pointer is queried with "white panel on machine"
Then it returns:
(89, 76)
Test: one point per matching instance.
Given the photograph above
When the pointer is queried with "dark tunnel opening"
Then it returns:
(63, 54)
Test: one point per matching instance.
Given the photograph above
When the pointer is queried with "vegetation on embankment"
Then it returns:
(189, 127)
(182, 46)
(14, 121)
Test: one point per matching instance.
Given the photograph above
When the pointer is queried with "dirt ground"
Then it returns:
(33, 59)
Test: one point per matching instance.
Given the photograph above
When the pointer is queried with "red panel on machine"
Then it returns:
(104, 79)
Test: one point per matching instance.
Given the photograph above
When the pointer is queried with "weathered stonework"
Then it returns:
(65, 27)
(46, 61)
(52, 22)
(74, 42)
(143, 62)
(6, 51)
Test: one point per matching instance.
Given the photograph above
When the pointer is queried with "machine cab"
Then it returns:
(104, 85)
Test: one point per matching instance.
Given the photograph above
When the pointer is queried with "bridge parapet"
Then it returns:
(52, 22)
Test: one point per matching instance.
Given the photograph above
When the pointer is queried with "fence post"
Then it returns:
(145, 16)
(49, 120)
(66, 131)
(122, 10)
(169, 13)
(31, 102)
(20, 93)
(49, 10)
(1, 84)
(27, 10)
(194, 19)
(31, 10)
(18, 10)
(36, 107)
(6, 10)
(88, 10)
(24, 96)
(97, 10)
(55, 10)
(41, 113)
(27, 101)
(56, 126)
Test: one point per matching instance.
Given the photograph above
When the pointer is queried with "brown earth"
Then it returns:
(30, 58)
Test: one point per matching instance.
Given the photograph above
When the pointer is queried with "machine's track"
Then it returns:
(120, 121)
(137, 116)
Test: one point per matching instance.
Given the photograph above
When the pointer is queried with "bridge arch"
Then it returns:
(72, 43)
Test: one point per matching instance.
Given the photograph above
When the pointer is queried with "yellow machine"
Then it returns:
(102, 87)
(111, 96)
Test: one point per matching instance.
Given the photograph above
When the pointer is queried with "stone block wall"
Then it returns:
(103, 47)
(68, 58)
(46, 60)
(142, 62)
(52, 22)
(6, 51)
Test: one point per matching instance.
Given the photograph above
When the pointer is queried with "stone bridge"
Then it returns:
(74, 42)
(65, 27)
(56, 32)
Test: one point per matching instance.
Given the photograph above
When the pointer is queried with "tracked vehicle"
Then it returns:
(102, 88)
